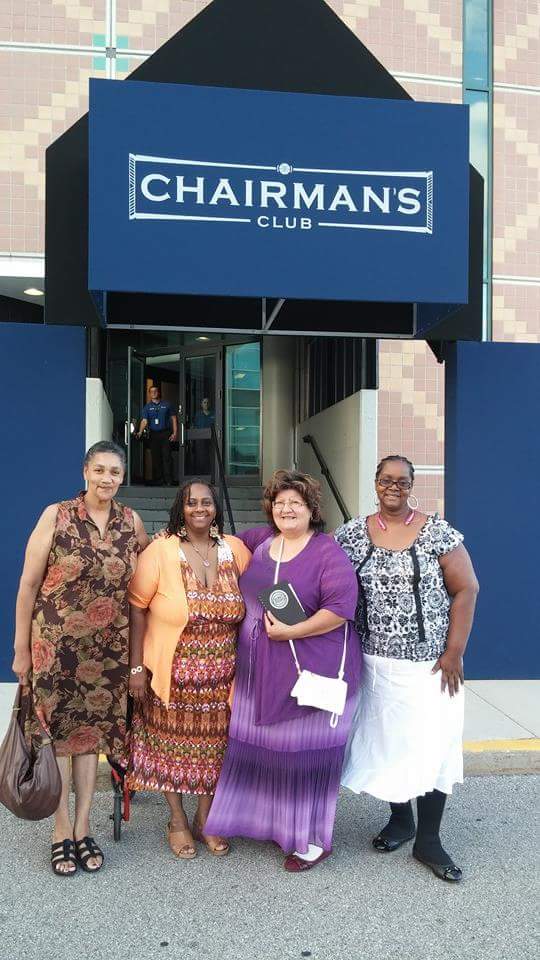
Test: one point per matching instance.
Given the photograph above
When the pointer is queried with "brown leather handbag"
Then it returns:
(30, 781)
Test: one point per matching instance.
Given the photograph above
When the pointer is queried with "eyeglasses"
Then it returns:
(388, 482)
(280, 505)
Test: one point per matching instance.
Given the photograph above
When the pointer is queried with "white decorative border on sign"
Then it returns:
(284, 169)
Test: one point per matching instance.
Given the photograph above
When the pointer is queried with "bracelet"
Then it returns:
(135, 670)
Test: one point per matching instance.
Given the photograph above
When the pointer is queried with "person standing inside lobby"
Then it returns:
(162, 423)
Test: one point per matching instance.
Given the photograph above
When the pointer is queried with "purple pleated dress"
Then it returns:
(281, 773)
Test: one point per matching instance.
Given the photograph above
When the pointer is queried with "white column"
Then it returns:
(99, 416)
(278, 368)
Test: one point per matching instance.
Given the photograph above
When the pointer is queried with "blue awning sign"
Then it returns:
(249, 193)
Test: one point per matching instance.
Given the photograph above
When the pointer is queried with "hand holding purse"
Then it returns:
(30, 781)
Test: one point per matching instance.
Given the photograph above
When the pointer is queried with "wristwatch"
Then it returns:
(135, 670)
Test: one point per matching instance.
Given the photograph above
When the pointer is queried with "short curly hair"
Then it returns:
(305, 486)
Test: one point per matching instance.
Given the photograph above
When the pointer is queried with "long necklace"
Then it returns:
(409, 519)
(205, 560)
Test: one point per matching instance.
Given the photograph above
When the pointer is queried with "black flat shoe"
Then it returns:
(63, 852)
(86, 848)
(445, 871)
(387, 844)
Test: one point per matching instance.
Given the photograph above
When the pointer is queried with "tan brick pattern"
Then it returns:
(432, 92)
(41, 95)
(411, 401)
(408, 36)
(516, 54)
(71, 22)
(149, 23)
(516, 185)
(516, 313)
(429, 491)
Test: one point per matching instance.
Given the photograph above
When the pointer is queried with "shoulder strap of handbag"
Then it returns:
(341, 670)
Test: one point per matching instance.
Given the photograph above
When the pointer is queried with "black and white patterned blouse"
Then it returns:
(403, 603)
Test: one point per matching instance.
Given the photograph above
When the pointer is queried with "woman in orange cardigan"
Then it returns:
(185, 609)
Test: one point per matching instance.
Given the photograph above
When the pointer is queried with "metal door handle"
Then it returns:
(182, 434)
(126, 432)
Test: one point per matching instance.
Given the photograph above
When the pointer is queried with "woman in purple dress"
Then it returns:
(281, 773)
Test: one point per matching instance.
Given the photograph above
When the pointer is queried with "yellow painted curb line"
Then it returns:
(527, 745)
(522, 746)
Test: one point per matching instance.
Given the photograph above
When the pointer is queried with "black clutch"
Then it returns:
(281, 601)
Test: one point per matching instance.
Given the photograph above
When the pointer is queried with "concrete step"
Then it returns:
(146, 491)
(146, 503)
(249, 493)
(246, 505)
(242, 525)
(154, 516)
(248, 516)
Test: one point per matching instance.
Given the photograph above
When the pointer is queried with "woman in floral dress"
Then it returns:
(185, 610)
(71, 638)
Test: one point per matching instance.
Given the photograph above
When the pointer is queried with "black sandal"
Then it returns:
(444, 871)
(63, 852)
(86, 849)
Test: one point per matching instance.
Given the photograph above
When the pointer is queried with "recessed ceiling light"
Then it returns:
(33, 292)
(203, 338)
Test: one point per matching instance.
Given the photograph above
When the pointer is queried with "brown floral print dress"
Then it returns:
(80, 631)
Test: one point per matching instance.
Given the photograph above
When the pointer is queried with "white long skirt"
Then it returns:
(406, 737)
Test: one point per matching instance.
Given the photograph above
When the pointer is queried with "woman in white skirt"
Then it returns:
(417, 597)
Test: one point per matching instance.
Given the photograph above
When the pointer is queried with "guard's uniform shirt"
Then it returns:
(157, 415)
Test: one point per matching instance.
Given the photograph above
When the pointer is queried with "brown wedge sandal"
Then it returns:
(217, 846)
(181, 843)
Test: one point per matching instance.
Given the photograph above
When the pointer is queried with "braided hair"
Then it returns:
(395, 457)
(176, 517)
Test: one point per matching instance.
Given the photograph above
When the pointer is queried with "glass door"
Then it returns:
(243, 410)
(199, 412)
(135, 403)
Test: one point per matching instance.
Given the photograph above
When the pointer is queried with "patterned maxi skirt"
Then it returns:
(180, 748)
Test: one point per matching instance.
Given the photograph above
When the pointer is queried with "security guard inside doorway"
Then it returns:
(162, 423)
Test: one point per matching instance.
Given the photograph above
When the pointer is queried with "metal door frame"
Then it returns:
(128, 433)
(193, 433)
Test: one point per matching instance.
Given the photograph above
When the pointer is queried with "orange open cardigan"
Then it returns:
(157, 586)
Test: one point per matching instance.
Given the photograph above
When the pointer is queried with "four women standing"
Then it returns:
(278, 778)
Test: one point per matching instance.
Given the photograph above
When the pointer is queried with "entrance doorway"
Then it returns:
(213, 389)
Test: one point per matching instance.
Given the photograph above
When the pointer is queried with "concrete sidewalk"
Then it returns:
(502, 725)
(358, 905)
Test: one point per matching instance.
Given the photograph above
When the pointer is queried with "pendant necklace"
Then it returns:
(205, 560)
(409, 519)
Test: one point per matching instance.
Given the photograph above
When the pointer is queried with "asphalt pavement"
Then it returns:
(359, 904)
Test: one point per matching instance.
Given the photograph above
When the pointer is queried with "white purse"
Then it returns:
(314, 689)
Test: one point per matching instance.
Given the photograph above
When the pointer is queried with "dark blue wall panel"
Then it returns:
(43, 436)
(491, 494)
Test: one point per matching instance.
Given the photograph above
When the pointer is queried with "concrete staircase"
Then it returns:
(153, 505)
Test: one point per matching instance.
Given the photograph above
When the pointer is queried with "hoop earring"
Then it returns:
(416, 503)
(182, 533)
(377, 503)
(214, 532)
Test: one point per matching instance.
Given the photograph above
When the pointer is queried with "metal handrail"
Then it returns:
(325, 470)
(223, 482)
